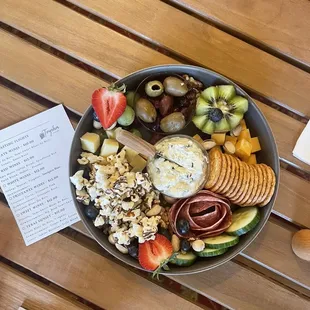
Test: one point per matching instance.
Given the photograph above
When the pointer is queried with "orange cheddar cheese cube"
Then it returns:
(219, 138)
(243, 149)
(232, 139)
(255, 145)
(252, 160)
(245, 134)
(243, 124)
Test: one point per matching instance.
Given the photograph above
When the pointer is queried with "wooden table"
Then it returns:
(59, 51)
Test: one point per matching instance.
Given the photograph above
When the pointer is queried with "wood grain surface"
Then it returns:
(83, 272)
(100, 280)
(283, 25)
(207, 46)
(18, 290)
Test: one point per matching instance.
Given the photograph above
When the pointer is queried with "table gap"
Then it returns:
(133, 35)
(30, 274)
(239, 35)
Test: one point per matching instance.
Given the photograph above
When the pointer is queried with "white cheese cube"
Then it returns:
(110, 133)
(109, 147)
(90, 142)
(138, 163)
(130, 153)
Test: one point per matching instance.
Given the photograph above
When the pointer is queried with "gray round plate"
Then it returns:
(258, 127)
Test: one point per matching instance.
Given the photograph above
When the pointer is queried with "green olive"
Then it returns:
(136, 132)
(175, 86)
(132, 97)
(146, 111)
(154, 88)
(173, 122)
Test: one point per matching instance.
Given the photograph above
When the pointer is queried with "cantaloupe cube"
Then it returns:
(255, 145)
(130, 153)
(198, 138)
(243, 124)
(252, 160)
(109, 147)
(219, 138)
(138, 163)
(232, 139)
(245, 134)
(243, 149)
(90, 142)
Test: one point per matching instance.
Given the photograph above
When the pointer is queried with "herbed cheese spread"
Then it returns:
(179, 167)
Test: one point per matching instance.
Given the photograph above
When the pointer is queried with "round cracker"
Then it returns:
(215, 157)
(244, 184)
(271, 189)
(233, 191)
(268, 180)
(222, 175)
(260, 186)
(227, 177)
(248, 201)
(233, 175)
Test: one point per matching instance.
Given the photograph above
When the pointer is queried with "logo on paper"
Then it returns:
(48, 132)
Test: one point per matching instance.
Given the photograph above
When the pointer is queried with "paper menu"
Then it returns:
(34, 158)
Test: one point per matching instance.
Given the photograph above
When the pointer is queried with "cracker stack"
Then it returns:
(243, 184)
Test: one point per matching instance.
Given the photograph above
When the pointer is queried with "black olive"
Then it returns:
(91, 212)
(215, 115)
(185, 245)
(95, 117)
(183, 226)
(164, 232)
(133, 248)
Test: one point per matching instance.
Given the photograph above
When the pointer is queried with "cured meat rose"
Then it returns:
(208, 214)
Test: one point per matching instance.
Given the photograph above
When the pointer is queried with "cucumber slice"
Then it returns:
(186, 259)
(222, 241)
(211, 252)
(243, 220)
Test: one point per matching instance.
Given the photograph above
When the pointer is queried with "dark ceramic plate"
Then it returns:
(258, 127)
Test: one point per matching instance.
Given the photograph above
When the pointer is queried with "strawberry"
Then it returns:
(154, 253)
(109, 104)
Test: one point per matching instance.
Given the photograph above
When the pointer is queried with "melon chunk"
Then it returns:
(252, 160)
(255, 145)
(245, 134)
(90, 142)
(243, 149)
(243, 124)
(109, 147)
(231, 139)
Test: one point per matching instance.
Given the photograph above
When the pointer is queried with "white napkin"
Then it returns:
(302, 147)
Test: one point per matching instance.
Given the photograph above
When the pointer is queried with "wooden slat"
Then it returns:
(100, 280)
(18, 290)
(282, 25)
(45, 74)
(195, 40)
(84, 272)
(44, 79)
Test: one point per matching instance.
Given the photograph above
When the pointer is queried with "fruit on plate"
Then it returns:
(132, 98)
(184, 259)
(219, 138)
(252, 160)
(243, 220)
(154, 253)
(221, 241)
(243, 149)
(109, 104)
(255, 145)
(109, 147)
(219, 109)
(127, 118)
(90, 142)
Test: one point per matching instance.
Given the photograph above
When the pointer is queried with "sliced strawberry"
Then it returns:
(152, 253)
(109, 104)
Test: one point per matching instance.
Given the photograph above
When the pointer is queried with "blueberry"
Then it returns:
(182, 226)
(215, 115)
(164, 232)
(133, 248)
(95, 117)
(91, 212)
(185, 245)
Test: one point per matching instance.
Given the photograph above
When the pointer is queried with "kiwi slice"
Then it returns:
(219, 109)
